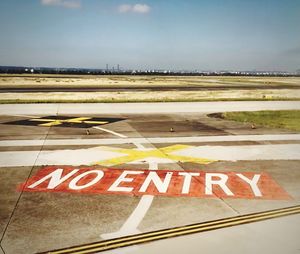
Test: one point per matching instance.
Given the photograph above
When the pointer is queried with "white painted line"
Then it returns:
(153, 166)
(272, 137)
(237, 153)
(110, 131)
(29, 109)
(130, 226)
(95, 155)
(139, 146)
(64, 142)
(133, 221)
(11, 159)
(137, 108)
(33, 142)
(56, 157)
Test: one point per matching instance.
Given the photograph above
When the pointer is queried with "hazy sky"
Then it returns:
(171, 34)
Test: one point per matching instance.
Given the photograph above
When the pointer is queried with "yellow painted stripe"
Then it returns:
(164, 153)
(49, 124)
(177, 231)
(76, 119)
(173, 232)
(96, 122)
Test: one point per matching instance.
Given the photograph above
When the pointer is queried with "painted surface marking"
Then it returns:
(110, 131)
(158, 140)
(131, 224)
(66, 121)
(246, 185)
(108, 156)
(137, 155)
(178, 231)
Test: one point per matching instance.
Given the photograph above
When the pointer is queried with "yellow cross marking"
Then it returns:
(135, 154)
(54, 122)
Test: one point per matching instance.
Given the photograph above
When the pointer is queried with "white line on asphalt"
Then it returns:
(109, 131)
(131, 224)
(64, 142)
(139, 146)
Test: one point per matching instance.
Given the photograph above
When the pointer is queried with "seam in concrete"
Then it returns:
(133, 240)
(2, 249)
(20, 196)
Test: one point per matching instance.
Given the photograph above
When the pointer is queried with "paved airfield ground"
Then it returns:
(240, 170)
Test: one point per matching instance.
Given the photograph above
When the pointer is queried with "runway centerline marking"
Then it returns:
(131, 224)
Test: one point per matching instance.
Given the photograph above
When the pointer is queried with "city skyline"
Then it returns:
(176, 35)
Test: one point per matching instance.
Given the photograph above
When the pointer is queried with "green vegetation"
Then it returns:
(286, 119)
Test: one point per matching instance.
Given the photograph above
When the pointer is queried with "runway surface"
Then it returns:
(145, 108)
(83, 174)
(137, 88)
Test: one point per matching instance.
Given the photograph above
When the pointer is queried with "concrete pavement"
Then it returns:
(143, 108)
(275, 236)
(204, 154)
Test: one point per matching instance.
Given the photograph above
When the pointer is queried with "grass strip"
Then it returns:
(284, 119)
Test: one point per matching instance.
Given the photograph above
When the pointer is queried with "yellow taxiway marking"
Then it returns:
(162, 153)
(55, 122)
(179, 231)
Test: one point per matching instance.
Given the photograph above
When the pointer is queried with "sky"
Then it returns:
(157, 34)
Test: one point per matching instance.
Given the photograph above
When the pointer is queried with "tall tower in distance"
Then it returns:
(106, 67)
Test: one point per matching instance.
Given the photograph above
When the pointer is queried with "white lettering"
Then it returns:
(252, 183)
(73, 184)
(221, 182)
(187, 181)
(122, 178)
(55, 178)
(162, 186)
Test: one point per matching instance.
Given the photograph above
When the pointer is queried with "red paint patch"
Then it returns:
(247, 185)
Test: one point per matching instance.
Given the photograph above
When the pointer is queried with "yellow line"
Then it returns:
(54, 123)
(76, 119)
(275, 213)
(163, 234)
(96, 122)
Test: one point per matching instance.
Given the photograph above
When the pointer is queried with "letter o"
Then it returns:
(73, 184)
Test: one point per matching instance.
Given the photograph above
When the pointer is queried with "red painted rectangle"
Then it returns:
(93, 180)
